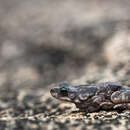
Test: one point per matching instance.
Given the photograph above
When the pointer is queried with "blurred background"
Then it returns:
(44, 42)
(49, 41)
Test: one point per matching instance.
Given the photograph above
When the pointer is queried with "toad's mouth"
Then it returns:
(54, 95)
(57, 95)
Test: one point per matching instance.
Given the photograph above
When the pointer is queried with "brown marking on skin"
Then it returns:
(122, 106)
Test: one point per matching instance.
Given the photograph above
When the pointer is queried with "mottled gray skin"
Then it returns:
(94, 97)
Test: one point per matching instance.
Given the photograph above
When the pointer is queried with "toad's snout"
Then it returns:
(54, 92)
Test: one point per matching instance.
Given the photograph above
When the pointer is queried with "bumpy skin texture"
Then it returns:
(94, 97)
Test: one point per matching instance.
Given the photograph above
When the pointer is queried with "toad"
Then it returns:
(94, 97)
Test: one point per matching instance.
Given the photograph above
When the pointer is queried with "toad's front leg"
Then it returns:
(121, 99)
(88, 106)
(92, 108)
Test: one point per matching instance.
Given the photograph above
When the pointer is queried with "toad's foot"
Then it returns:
(92, 109)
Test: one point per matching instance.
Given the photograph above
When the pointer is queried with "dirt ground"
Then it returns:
(31, 109)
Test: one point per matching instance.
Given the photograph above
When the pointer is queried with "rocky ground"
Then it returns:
(36, 109)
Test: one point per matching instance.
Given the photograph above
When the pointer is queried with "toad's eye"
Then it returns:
(64, 91)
